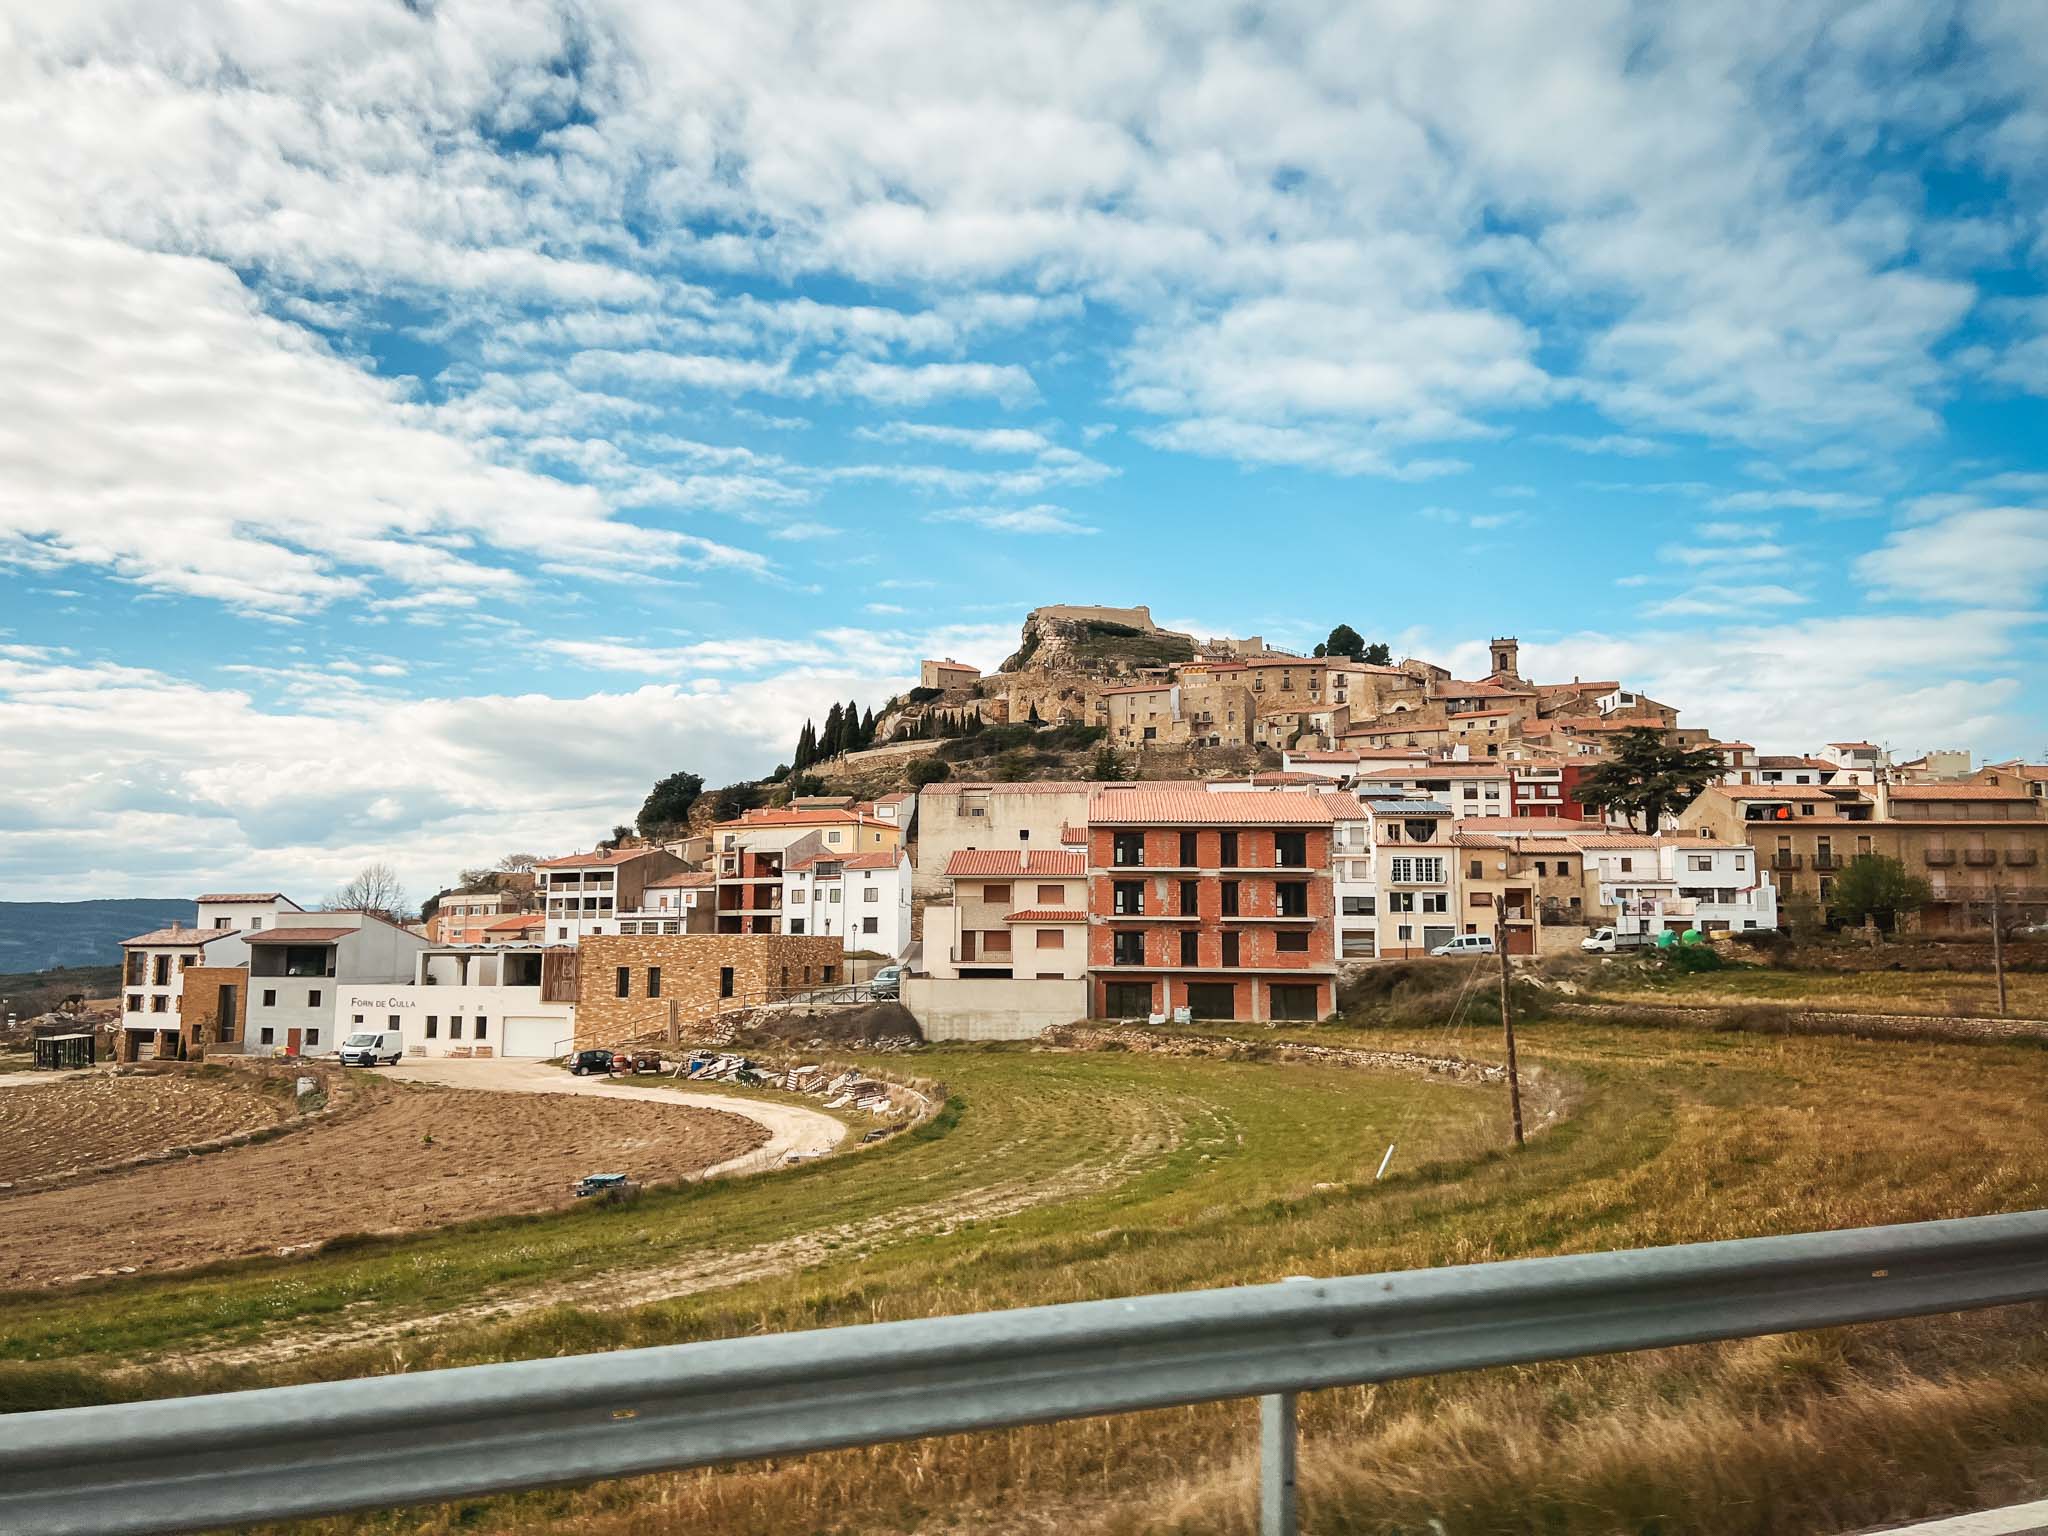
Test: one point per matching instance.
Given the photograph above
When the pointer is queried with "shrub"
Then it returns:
(927, 770)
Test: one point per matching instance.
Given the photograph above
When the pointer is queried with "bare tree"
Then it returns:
(375, 888)
(513, 863)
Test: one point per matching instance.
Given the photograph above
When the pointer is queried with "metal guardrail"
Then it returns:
(191, 1463)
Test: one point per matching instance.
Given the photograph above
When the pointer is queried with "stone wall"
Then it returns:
(199, 1010)
(695, 984)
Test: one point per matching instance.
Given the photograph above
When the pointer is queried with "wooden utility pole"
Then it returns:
(1998, 947)
(1507, 1009)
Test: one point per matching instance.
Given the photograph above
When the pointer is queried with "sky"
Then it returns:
(422, 425)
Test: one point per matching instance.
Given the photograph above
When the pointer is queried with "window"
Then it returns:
(1400, 901)
(1699, 862)
(160, 971)
(312, 1037)
(358, 1018)
(266, 1036)
(1127, 898)
(870, 893)
(1190, 898)
(871, 925)
(826, 975)
(1436, 901)
(1129, 948)
(1190, 951)
(832, 837)
(1291, 849)
(1476, 868)
(796, 896)
(1290, 898)
(1229, 898)
(220, 922)
(725, 981)
(1230, 947)
(622, 981)
(135, 1002)
(796, 925)
(1410, 869)
(995, 942)
(1052, 938)
(1806, 810)
(1228, 855)
(1627, 865)
(1189, 856)
(654, 981)
(1358, 906)
(156, 1004)
(1124, 999)
(1051, 895)
(270, 997)
(313, 998)
(1564, 867)
(1291, 942)
(482, 1024)
(1128, 849)
(996, 895)
(454, 1026)
(561, 933)
(433, 1026)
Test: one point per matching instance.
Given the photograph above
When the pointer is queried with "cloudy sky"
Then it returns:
(423, 424)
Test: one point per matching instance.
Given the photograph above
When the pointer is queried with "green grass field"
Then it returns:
(1055, 1177)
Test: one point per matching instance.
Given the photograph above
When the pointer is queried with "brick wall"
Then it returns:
(693, 983)
(199, 1010)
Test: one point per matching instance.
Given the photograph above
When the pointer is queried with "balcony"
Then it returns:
(1980, 858)
(1940, 858)
(2020, 858)
(1786, 861)
(1827, 861)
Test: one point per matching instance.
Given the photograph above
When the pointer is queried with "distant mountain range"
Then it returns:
(35, 935)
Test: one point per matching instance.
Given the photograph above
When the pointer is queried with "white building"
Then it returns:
(153, 964)
(684, 902)
(1678, 881)
(862, 901)
(1468, 788)
(1856, 762)
(1354, 879)
(463, 1000)
(299, 966)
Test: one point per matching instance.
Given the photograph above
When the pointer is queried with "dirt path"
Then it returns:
(407, 1157)
(790, 1127)
(1143, 1134)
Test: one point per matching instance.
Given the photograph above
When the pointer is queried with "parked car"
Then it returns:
(590, 1061)
(367, 1047)
(887, 982)
(1467, 944)
(1605, 941)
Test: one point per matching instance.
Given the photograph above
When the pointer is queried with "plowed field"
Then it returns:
(73, 1124)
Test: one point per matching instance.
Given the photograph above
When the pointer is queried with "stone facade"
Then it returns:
(701, 975)
(212, 1020)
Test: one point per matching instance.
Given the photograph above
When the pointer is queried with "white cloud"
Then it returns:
(1035, 519)
(975, 439)
(1620, 444)
(1713, 600)
(1984, 555)
(1812, 501)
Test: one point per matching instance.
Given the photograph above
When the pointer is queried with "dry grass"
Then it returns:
(1256, 1170)
(1939, 993)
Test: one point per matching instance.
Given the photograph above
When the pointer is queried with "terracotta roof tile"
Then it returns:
(886, 859)
(684, 879)
(246, 896)
(1017, 862)
(301, 935)
(607, 856)
(1046, 915)
(1142, 805)
(1956, 792)
(165, 938)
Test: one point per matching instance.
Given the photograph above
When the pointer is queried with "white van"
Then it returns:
(367, 1047)
(1467, 944)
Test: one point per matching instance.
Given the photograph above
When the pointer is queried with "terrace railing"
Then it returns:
(287, 1452)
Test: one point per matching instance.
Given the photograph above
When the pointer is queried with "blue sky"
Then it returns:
(432, 424)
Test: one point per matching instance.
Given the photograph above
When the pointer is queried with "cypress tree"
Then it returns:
(867, 728)
(828, 739)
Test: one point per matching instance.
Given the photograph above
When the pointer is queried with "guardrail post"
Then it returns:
(1276, 1464)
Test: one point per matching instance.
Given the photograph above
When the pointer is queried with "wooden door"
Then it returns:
(291, 1042)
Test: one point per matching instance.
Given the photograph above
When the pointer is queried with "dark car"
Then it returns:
(590, 1061)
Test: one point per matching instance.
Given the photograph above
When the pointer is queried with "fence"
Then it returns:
(191, 1463)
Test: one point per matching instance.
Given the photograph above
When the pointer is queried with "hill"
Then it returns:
(35, 935)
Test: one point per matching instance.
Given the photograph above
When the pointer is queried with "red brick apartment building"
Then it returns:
(1218, 903)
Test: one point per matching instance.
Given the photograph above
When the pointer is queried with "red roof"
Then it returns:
(888, 858)
(595, 856)
(1013, 861)
(1956, 792)
(686, 879)
(246, 896)
(1142, 805)
(164, 938)
(1046, 915)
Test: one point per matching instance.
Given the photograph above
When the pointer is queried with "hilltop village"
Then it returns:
(1121, 821)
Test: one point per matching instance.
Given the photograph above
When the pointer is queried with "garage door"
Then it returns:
(534, 1037)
